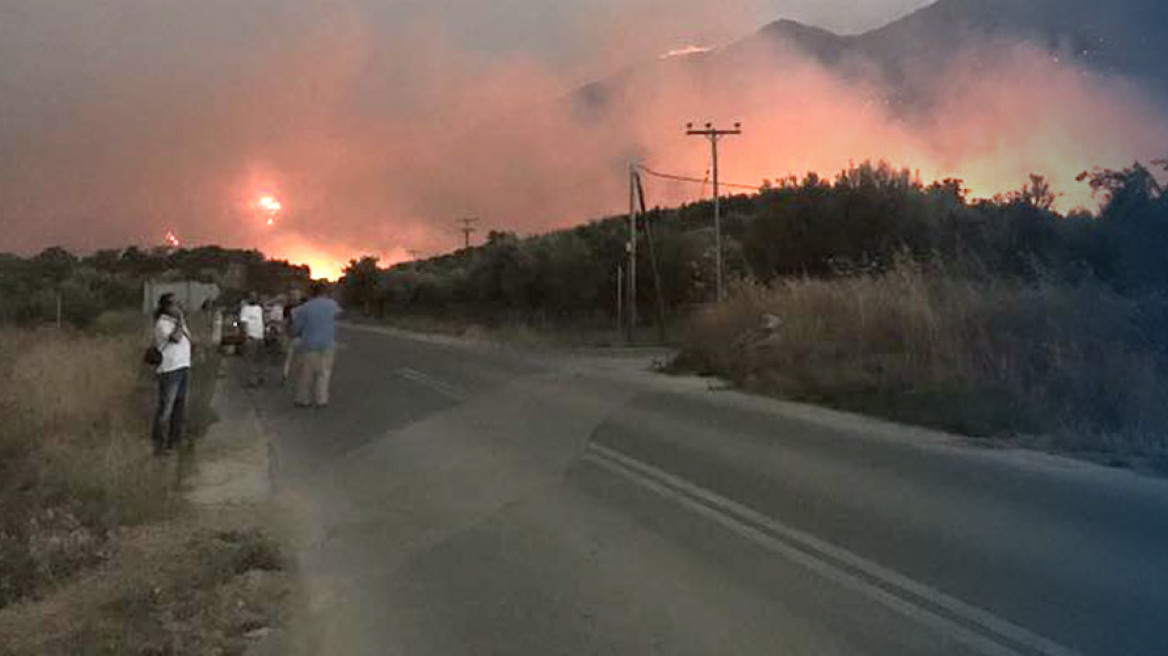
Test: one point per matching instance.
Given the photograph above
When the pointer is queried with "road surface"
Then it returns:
(461, 499)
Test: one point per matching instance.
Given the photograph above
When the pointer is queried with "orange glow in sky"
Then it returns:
(326, 261)
(300, 251)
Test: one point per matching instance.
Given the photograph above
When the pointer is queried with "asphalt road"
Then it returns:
(459, 499)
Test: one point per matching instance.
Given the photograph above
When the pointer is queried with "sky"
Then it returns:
(374, 124)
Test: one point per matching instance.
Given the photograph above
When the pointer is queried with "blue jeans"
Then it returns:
(170, 418)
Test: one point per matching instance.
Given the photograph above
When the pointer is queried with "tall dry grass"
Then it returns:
(1078, 364)
(74, 456)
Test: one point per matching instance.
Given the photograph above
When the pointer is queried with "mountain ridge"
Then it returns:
(1127, 38)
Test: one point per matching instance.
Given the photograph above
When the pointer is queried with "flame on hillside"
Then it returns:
(686, 51)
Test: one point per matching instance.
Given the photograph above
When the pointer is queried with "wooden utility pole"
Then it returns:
(714, 134)
(632, 299)
(652, 258)
(467, 229)
(620, 292)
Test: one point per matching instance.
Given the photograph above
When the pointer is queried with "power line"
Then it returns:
(683, 178)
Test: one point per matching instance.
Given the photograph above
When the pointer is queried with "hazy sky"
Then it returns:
(123, 119)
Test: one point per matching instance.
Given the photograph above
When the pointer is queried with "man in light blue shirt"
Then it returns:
(314, 323)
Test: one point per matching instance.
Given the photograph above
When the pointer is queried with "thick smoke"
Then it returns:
(377, 131)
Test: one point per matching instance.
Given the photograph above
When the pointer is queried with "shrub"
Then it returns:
(991, 357)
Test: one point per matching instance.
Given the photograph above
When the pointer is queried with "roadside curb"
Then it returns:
(233, 463)
(231, 474)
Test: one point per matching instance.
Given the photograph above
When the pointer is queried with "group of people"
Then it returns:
(309, 337)
(310, 330)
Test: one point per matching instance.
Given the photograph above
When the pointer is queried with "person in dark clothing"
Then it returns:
(173, 340)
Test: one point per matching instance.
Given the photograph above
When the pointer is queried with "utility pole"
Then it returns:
(652, 257)
(632, 302)
(714, 134)
(467, 229)
(620, 292)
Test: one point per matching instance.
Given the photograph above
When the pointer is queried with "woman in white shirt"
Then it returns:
(172, 338)
(251, 314)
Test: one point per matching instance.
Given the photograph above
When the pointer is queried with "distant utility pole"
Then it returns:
(467, 229)
(714, 134)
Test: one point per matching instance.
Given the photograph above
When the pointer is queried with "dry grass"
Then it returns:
(173, 588)
(75, 464)
(98, 554)
(996, 358)
(75, 461)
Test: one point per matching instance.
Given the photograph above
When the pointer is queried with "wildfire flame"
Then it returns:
(172, 240)
(686, 51)
(271, 206)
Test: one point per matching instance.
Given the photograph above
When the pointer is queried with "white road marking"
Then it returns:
(967, 624)
(431, 383)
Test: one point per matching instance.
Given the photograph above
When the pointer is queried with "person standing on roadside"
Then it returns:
(251, 315)
(290, 340)
(173, 340)
(314, 323)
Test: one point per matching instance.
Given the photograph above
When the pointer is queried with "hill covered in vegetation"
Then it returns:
(859, 222)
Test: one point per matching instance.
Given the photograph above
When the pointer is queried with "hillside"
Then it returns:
(1124, 38)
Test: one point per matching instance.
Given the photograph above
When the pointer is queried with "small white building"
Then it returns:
(191, 293)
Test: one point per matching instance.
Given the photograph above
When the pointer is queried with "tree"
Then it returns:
(1135, 225)
(1037, 193)
(361, 282)
(54, 264)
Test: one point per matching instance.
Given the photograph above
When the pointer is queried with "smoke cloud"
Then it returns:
(378, 127)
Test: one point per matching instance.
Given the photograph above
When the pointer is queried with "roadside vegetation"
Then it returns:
(998, 317)
(99, 553)
(83, 288)
(1074, 367)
